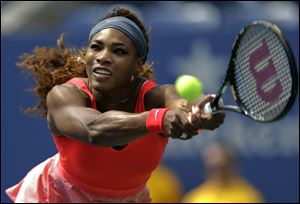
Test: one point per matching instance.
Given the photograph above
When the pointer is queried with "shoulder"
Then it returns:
(66, 93)
(193, 196)
(155, 97)
(245, 188)
(158, 90)
(163, 96)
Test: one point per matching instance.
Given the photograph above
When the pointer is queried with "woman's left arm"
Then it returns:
(166, 96)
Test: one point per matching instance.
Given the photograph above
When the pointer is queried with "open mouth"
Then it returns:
(102, 73)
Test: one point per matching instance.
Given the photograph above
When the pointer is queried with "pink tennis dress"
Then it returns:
(82, 172)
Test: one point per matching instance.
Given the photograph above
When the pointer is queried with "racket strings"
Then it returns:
(249, 91)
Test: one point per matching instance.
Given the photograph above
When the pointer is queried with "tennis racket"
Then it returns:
(262, 74)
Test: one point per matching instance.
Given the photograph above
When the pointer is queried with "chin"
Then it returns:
(102, 87)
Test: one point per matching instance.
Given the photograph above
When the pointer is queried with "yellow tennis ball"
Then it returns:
(188, 87)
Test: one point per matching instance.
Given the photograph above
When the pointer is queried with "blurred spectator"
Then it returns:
(223, 182)
(164, 186)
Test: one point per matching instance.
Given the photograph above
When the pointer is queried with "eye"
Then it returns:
(120, 51)
(95, 47)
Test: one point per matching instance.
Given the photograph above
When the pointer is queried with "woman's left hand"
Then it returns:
(205, 121)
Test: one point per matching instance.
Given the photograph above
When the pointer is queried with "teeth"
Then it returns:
(101, 71)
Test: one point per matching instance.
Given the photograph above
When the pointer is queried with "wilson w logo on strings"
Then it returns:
(264, 74)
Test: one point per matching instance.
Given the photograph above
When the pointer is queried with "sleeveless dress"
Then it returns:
(82, 172)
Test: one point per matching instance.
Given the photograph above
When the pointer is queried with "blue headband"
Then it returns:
(126, 26)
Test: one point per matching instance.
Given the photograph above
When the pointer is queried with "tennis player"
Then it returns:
(110, 121)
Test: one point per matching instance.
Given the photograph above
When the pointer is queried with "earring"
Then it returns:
(78, 60)
(132, 78)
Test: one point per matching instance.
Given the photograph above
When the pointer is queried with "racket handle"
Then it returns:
(209, 110)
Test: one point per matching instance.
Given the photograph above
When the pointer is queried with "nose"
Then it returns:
(104, 57)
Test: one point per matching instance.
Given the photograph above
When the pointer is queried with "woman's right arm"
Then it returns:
(69, 114)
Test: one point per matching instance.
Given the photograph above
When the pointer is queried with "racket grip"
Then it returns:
(209, 110)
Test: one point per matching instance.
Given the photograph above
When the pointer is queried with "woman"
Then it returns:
(109, 121)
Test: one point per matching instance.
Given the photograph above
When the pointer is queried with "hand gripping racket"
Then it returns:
(262, 74)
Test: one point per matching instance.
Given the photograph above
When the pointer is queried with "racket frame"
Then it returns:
(229, 76)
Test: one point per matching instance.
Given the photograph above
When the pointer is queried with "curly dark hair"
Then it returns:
(53, 66)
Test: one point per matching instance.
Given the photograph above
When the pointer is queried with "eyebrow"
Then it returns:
(114, 43)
